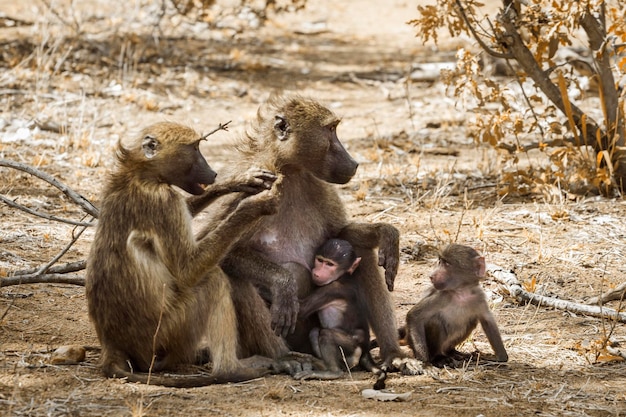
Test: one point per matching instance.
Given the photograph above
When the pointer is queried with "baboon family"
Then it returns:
(245, 285)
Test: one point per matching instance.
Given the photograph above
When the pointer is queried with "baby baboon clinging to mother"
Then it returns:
(343, 334)
(451, 309)
(297, 138)
(154, 290)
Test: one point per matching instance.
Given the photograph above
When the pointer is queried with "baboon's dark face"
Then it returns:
(188, 169)
(307, 134)
(170, 153)
(337, 165)
(458, 266)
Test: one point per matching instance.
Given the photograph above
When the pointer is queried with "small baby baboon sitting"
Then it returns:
(451, 309)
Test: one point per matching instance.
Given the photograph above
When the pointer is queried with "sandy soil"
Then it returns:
(118, 76)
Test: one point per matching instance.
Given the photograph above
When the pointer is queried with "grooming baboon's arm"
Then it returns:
(214, 246)
(383, 236)
(252, 181)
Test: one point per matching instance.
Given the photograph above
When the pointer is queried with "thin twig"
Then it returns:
(18, 206)
(54, 260)
(71, 194)
(478, 39)
(221, 126)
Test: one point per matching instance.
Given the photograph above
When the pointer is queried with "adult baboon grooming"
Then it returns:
(153, 290)
(297, 138)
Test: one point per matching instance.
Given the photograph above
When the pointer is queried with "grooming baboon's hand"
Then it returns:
(284, 309)
(254, 180)
(389, 253)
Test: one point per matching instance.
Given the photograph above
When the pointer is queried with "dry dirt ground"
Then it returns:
(120, 74)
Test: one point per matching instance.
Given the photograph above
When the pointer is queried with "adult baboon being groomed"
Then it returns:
(297, 138)
(153, 289)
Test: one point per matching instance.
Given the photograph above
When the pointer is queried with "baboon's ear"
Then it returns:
(149, 146)
(281, 126)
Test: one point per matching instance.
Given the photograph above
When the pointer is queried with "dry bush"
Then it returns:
(566, 104)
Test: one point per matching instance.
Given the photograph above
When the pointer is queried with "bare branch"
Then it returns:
(477, 37)
(537, 145)
(509, 280)
(13, 204)
(524, 57)
(596, 32)
(42, 279)
(47, 266)
(71, 194)
(59, 269)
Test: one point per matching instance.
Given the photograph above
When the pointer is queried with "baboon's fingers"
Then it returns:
(390, 263)
(284, 317)
(390, 279)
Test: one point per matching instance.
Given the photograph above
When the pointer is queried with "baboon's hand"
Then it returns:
(389, 253)
(284, 309)
(254, 180)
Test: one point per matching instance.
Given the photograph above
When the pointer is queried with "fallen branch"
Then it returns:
(59, 269)
(515, 289)
(616, 294)
(71, 194)
(42, 279)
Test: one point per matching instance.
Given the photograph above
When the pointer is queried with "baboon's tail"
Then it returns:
(190, 380)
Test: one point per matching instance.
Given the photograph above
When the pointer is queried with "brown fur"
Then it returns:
(451, 309)
(152, 288)
(297, 137)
